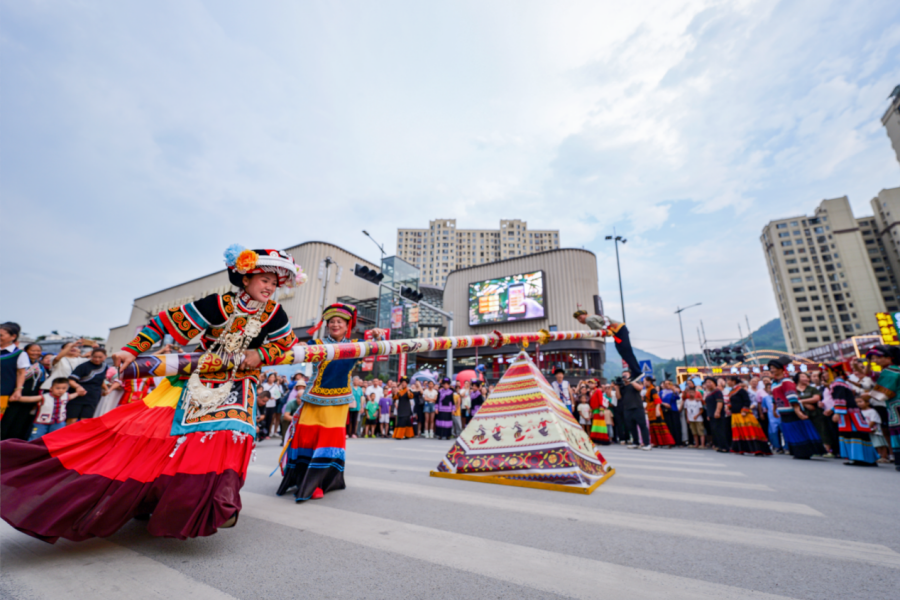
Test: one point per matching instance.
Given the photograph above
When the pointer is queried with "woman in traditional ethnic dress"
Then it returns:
(18, 420)
(659, 432)
(747, 437)
(887, 388)
(599, 431)
(802, 438)
(312, 460)
(443, 419)
(403, 406)
(853, 429)
(169, 456)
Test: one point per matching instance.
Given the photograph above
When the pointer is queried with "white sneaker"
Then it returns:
(646, 447)
(631, 446)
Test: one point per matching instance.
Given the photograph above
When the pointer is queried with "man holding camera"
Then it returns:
(628, 393)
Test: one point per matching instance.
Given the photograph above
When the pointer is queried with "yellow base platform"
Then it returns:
(556, 487)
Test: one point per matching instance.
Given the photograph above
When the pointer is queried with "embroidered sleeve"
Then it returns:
(838, 394)
(790, 392)
(279, 339)
(183, 323)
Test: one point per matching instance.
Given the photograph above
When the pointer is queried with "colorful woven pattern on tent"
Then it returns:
(524, 435)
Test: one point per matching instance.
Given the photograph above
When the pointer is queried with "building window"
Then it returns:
(781, 226)
(786, 243)
(812, 339)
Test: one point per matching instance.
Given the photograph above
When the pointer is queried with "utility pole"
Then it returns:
(324, 272)
(702, 347)
(752, 343)
(680, 326)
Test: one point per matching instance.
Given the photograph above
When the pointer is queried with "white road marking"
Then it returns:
(519, 565)
(608, 488)
(635, 465)
(747, 503)
(93, 570)
(667, 461)
(841, 550)
(736, 485)
(428, 450)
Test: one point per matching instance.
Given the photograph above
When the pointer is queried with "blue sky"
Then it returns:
(138, 140)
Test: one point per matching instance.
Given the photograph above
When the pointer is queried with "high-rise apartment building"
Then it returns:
(822, 275)
(886, 233)
(891, 120)
(442, 247)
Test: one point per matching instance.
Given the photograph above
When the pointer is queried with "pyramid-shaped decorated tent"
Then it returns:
(524, 435)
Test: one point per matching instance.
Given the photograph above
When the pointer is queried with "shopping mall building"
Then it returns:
(527, 293)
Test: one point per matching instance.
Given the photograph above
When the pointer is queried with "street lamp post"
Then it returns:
(380, 246)
(680, 326)
(616, 239)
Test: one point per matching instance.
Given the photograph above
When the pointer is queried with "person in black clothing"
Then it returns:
(88, 380)
(629, 399)
(715, 409)
(18, 420)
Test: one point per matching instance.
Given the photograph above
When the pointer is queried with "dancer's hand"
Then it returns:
(122, 359)
(251, 360)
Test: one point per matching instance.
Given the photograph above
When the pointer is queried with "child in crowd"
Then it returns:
(385, 405)
(262, 431)
(584, 413)
(694, 410)
(874, 420)
(52, 413)
(373, 411)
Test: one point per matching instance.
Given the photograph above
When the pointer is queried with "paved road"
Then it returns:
(676, 523)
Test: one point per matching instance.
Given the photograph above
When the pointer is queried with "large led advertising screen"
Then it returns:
(512, 298)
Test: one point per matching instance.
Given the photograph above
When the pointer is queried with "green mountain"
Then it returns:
(768, 337)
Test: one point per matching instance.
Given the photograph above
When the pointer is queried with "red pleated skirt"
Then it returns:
(90, 478)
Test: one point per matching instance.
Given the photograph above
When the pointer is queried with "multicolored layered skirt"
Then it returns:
(90, 478)
(659, 433)
(856, 444)
(747, 436)
(599, 430)
(800, 435)
(314, 456)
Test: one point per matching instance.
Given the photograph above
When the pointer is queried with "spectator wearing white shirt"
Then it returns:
(561, 387)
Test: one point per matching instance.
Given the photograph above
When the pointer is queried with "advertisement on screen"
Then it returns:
(512, 298)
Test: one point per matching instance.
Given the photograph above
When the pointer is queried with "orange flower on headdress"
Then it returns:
(246, 261)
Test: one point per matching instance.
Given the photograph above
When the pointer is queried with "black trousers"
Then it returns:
(619, 428)
(636, 421)
(673, 422)
(721, 432)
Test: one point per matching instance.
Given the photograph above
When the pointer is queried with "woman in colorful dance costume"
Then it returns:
(659, 431)
(853, 429)
(179, 456)
(802, 438)
(747, 437)
(312, 460)
(887, 389)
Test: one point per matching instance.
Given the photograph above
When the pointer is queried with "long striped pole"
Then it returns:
(184, 364)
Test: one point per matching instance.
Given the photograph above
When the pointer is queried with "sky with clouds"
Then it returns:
(138, 140)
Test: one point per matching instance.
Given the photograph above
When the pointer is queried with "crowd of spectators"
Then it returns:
(42, 392)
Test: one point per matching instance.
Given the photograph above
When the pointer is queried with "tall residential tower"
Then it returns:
(442, 247)
(822, 275)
